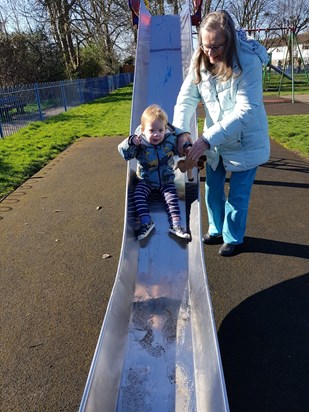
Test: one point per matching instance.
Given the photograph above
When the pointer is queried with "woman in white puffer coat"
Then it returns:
(226, 75)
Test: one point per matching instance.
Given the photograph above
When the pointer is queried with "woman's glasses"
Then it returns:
(213, 48)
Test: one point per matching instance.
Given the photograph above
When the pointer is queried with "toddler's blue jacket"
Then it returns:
(155, 162)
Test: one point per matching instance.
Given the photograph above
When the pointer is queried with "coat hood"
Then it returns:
(252, 46)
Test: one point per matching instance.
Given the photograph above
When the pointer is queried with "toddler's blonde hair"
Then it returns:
(152, 113)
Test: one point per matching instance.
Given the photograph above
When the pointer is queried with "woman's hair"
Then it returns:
(223, 70)
(152, 113)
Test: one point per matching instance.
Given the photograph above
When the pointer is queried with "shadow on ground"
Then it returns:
(264, 349)
(274, 247)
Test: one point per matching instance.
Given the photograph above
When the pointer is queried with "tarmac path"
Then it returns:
(56, 281)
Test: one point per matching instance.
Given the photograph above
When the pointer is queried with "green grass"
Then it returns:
(273, 82)
(27, 151)
(291, 132)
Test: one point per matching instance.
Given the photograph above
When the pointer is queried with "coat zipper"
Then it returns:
(156, 149)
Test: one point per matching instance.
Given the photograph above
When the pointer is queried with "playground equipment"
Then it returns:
(278, 70)
(292, 41)
(158, 349)
(196, 16)
(134, 7)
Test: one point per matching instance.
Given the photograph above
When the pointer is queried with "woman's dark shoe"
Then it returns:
(211, 240)
(227, 249)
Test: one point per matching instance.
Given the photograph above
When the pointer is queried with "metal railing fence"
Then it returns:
(23, 104)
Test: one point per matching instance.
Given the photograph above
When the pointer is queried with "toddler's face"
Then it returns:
(154, 131)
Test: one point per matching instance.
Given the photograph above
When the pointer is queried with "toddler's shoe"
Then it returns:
(179, 231)
(144, 230)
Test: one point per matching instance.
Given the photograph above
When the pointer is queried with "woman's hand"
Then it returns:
(198, 149)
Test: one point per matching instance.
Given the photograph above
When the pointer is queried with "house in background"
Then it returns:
(280, 57)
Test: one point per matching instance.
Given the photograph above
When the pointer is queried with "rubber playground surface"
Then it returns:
(60, 241)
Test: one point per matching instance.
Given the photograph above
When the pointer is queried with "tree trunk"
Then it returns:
(59, 13)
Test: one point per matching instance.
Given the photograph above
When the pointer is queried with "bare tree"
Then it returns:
(210, 5)
(291, 18)
(248, 14)
(286, 11)
(108, 25)
(60, 17)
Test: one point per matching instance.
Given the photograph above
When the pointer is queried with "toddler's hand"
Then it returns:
(136, 140)
(186, 147)
(182, 139)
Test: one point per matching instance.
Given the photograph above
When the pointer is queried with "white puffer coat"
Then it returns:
(236, 122)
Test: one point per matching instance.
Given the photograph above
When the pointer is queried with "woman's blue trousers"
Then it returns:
(227, 213)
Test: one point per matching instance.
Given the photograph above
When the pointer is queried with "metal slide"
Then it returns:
(158, 349)
(276, 69)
